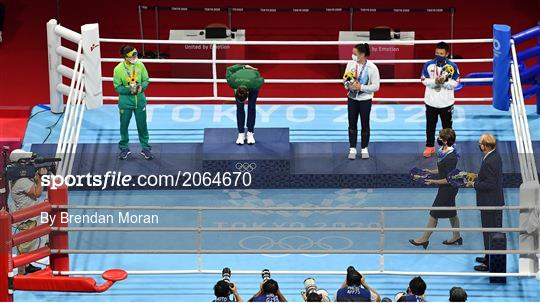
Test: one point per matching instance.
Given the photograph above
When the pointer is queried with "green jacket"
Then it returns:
(121, 84)
(238, 75)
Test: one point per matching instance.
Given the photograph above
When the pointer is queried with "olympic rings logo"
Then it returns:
(295, 243)
(496, 44)
(245, 167)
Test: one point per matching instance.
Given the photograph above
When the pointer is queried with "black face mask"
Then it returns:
(440, 142)
(440, 59)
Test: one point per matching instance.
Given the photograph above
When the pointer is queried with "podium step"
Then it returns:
(274, 162)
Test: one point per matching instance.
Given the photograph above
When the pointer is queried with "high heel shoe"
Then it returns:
(458, 241)
(423, 244)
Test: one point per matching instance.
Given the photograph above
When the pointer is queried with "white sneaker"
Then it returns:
(250, 138)
(365, 154)
(241, 138)
(352, 153)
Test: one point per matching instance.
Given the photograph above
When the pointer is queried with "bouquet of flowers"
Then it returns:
(349, 77)
(447, 71)
(458, 178)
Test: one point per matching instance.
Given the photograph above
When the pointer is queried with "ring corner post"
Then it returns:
(6, 259)
(59, 239)
(55, 78)
(529, 196)
(91, 54)
(538, 83)
(501, 66)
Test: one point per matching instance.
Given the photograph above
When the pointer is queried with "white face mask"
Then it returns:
(133, 61)
(354, 57)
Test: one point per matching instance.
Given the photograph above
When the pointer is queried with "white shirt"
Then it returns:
(488, 154)
(367, 75)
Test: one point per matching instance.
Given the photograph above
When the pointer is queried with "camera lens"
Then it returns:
(265, 274)
(310, 285)
(226, 274)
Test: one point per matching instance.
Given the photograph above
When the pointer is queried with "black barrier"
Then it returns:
(300, 10)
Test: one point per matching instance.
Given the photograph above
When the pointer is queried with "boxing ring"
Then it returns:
(199, 235)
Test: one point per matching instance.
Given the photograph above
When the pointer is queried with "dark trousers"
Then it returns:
(252, 112)
(492, 219)
(432, 117)
(363, 109)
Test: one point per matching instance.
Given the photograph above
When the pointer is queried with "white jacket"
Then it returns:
(436, 95)
(367, 76)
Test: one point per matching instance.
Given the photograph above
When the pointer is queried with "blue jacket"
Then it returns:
(489, 183)
(266, 298)
(354, 294)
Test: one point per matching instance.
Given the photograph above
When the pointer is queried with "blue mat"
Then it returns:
(171, 126)
(199, 287)
(307, 123)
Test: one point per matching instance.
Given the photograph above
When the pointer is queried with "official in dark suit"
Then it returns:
(489, 191)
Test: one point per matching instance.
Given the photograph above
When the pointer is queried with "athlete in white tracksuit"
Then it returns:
(439, 95)
(364, 80)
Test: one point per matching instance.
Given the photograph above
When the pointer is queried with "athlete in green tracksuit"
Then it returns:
(130, 81)
(246, 81)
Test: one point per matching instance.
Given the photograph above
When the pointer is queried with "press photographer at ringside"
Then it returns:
(224, 288)
(313, 293)
(355, 289)
(269, 291)
(24, 174)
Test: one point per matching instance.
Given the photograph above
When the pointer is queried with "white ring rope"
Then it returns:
(289, 81)
(209, 61)
(295, 99)
(290, 208)
(292, 251)
(288, 43)
(286, 229)
(299, 272)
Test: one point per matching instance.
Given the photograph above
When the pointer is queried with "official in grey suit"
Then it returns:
(489, 191)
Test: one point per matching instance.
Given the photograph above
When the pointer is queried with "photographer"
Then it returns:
(313, 293)
(355, 289)
(269, 291)
(457, 294)
(25, 192)
(223, 291)
(415, 292)
(224, 288)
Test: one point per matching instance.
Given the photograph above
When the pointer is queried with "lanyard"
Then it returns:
(361, 71)
(437, 71)
(130, 77)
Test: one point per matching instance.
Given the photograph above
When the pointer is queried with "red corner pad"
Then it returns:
(114, 275)
(44, 280)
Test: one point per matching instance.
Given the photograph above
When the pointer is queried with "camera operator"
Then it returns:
(269, 291)
(313, 293)
(355, 289)
(224, 288)
(25, 192)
